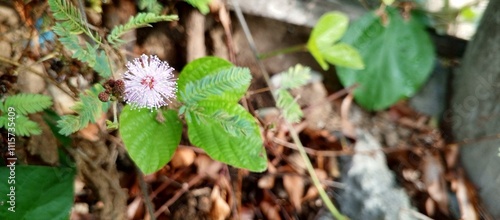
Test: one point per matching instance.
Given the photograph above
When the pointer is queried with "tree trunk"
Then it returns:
(475, 109)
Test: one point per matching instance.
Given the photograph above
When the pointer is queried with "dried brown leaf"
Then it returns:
(294, 186)
(333, 167)
(347, 126)
(183, 157)
(430, 206)
(267, 181)
(247, 213)
(43, 145)
(220, 209)
(270, 211)
(467, 210)
(433, 177)
(296, 161)
(207, 166)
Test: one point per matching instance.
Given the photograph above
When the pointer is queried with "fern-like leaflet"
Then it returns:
(26, 127)
(216, 85)
(138, 21)
(71, 23)
(287, 104)
(294, 77)
(21, 105)
(28, 103)
(152, 6)
(202, 5)
(88, 110)
(70, 18)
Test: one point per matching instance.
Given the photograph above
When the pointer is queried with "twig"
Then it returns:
(145, 195)
(178, 194)
(291, 129)
(257, 91)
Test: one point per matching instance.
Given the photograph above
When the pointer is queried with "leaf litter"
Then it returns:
(193, 186)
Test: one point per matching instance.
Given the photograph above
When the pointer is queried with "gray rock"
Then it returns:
(370, 190)
(431, 99)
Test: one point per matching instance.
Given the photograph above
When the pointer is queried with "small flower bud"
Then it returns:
(103, 96)
(119, 87)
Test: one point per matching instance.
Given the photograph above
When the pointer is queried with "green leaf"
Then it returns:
(225, 85)
(64, 10)
(468, 14)
(26, 127)
(199, 68)
(225, 113)
(69, 124)
(211, 134)
(3, 121)
(151, 6)
(342, 54)
(289, 107)
(294, 77)
(51, 117)
(329, 29)
(149, 143)
(89, 109)
(40, 192)
(399, 58)
(388, 2)
(316, 53)
(138, 21)
(72, 22)
(101, 65)
(202, 5)
(97, 59)
(28, 103)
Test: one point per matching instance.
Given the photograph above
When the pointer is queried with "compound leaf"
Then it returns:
(28, 103)
(137, 21)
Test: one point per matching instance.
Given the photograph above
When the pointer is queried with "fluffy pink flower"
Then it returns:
(149, 83)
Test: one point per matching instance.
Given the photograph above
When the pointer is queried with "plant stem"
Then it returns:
(329, 204)
(292, 49)
(317, 183)
(145, 194)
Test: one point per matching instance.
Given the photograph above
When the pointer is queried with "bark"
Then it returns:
(475, 109)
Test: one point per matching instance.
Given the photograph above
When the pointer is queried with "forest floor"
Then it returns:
(192, 185)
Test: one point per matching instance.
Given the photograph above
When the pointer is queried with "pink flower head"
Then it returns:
(149, 83)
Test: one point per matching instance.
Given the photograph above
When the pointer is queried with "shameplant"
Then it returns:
(207, 97)
(208, 92)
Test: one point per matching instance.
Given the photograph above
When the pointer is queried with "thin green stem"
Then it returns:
(292, 49)
(115, 112)
(329, 204)
(317, 183)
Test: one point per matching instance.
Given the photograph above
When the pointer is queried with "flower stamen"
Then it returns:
(149, 83)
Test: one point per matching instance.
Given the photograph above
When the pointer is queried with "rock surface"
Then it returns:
(370, 189)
